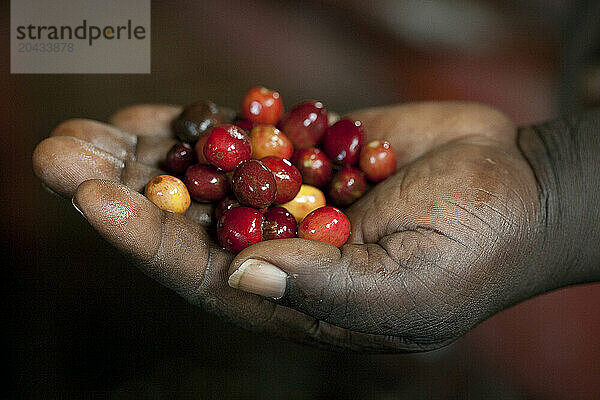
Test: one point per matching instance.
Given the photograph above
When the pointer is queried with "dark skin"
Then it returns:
(475, 220)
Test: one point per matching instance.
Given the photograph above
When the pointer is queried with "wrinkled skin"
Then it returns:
(449, 240)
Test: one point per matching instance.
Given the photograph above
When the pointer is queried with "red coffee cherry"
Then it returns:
(226, 204)
(205, 183)
(378, 160)
(314, 166)
(347, 186)
(253, 184)
(262, 106)
(342, 141)
(226, 146)
(327, 224)
(240, 227)
(244, 124)
(279, 224)
(287, 178)
(266, 140)
(305, 124)
(179, 158)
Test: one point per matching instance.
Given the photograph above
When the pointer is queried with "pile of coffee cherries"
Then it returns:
(265, 170)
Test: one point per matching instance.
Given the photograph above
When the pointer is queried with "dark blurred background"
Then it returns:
(82, 321)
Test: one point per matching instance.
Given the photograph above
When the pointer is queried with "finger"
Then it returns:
(152, 150)
(414, 129)
(146, 119)
(359, 288)
(149, 150)
(103, 136)
(171, 248)
(64, 162)
(180, 255)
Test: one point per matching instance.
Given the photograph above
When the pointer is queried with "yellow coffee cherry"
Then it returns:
(309, 198)
(168, 193)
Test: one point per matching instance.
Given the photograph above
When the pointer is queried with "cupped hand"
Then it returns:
(449, 240)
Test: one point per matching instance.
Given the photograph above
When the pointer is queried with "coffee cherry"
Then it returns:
(168, 193)
(279, 224)
(227, 146)
(245, 124)
(287, 178)
(327, 224)
(342, 141)
(198, 118)
(314, 166)
(347, 186)
(199, 149)
(253, 184)
(262, 106)
(225, 205)
(205, 183)
(308, 199)
(240, 227)
(305, 124)
(179, 158)
(378, 160)
(266, 140)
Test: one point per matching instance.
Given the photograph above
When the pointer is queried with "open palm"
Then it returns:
(446, 242)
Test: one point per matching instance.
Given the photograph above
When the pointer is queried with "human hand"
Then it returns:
(449, 240)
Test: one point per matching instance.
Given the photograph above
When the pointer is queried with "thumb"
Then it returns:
(358, 287)
(393, 276)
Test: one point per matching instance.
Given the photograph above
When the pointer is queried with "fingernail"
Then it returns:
(259, 277)
(77, 206)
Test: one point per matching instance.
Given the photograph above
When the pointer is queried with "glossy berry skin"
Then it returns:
(343, 140)
(168, 193)
(378, 160)
(309, 198)
(240, 227)
(205, 183)
(314, 166)
(287, 178)
(226, 146)
(198, 118)
(253, 184)
(326, 224)
(279, 224)
(179, 158)
(267, 140)
(305, 124)
(226, 204)
(347, 185)
(262, 106)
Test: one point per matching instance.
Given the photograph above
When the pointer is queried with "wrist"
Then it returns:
(564, 156)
